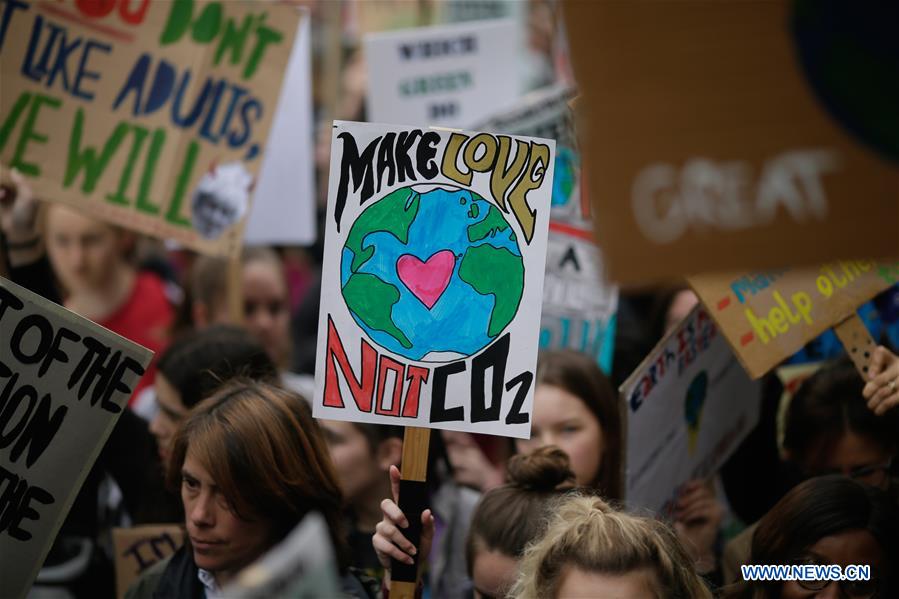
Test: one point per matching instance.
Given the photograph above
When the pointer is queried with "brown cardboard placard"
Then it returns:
(768, 316)
(140, 547)
(122, 109)
(708, 148)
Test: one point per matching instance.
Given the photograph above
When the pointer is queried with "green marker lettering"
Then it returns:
(264, 37)
(178, 21)
(13, 117)
(29, 134)
(174, 212)
(234, 40)
(143, 200)
(207, 26)
(87, 159)
(140, 134)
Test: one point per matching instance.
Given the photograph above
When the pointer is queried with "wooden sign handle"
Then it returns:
(413, 501)
(859, 344)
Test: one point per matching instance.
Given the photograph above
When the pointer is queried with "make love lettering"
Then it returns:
(431, 289)
(121, 107)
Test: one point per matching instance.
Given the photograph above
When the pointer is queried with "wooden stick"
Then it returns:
(404, 579)
(858, 342)
(415, 453)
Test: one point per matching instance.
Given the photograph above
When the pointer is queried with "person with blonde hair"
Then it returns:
(591, 550)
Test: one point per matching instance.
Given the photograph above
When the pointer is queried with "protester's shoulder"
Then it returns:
(744, 539)
(150, 286)
(736, 553)
(466, 498)
(173, 578)
(149, 303)
(454, 501)
(145, 586)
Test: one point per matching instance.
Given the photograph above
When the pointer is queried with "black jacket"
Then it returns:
(176, 578)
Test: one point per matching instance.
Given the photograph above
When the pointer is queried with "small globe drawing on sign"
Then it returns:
(432, 273)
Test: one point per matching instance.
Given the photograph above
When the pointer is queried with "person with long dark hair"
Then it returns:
(827, 520)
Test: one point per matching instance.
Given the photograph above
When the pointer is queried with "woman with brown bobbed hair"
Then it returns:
(591, 550)
(250, 463)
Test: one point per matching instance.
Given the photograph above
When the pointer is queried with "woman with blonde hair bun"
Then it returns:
(591, 550)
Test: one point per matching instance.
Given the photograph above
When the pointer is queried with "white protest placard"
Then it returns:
(686, 409)
(432, 281)
(63, 383)
(450, 75)
(283, 211)
(302, 566)
(579, 303)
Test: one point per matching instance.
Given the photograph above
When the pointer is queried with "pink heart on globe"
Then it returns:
(429, 279)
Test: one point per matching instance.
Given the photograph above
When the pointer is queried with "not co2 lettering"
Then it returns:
(372, 387)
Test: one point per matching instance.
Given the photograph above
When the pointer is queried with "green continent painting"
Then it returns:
(432, 275)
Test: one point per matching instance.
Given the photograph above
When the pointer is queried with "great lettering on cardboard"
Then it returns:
(579, 303)
(769, 315)
(64, 381)
(685, 409)
(710, 145)
(431, 287)
(121, 109)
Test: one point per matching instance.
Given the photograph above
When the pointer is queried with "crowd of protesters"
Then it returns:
(220, 439)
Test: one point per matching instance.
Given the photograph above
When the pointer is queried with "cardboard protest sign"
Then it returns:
(150, 115)
(737, 135)
(138, 548)
(686, 409)
(432, 279)
(302, 566)
(450, 75)
(579, 303)
(768, 316)
(63, 383)
(284, 201)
